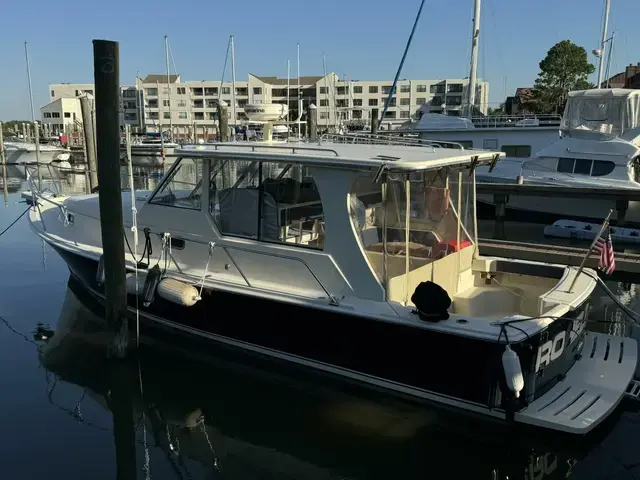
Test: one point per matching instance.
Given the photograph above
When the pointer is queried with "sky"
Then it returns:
(362, 39)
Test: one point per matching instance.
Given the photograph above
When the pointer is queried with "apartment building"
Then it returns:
(155, 104)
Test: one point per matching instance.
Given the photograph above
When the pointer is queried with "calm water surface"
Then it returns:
(67, 411)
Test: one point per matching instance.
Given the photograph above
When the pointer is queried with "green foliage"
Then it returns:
(564, 69)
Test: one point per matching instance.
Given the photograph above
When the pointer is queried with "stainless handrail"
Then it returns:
(392, 138)
(218, 146)
(332, 300)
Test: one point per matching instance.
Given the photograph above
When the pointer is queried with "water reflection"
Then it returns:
(196, 415)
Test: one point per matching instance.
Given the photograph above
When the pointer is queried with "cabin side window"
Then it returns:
(517, 151)
(583, 166)
(183, 189)
(266, 201)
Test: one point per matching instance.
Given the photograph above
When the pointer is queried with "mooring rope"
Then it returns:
(15, 221)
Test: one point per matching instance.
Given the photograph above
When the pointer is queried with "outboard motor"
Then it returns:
(431, 301)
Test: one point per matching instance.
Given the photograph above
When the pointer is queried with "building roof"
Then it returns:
(308, 80)
(161, 78)
(356, 156)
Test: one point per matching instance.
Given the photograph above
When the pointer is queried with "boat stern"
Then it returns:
(590, 390)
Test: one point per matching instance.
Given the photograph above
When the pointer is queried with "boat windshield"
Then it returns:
(413, 220)
(610, 114)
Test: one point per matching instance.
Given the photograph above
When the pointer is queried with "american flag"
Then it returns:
(604, 246)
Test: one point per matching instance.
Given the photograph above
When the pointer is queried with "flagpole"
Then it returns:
(586, 257)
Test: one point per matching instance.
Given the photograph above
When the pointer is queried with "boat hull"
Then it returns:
(407, 360)
(22, 156)
(549, 209)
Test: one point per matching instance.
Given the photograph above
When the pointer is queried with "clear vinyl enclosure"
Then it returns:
(408, 223)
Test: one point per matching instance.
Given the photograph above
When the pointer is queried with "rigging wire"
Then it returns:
(15, 221)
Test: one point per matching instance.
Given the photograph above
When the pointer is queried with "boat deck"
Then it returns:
(592, 388)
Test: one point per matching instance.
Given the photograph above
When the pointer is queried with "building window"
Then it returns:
(130, 117)
(47, 114)
(55, 114)
(490, 143)
(454, 88)
(454, 101)
(405, 101)
(518, 151)
(242, 103)
(421, 88)
(182, 103)
(342, 90)
(165, 103)
(373, 89)
(263, 205)
(324, 90)
(198, 116)
(183, 115)
(404, 114)
(53, 93)
(357, 89)
(242, 91)
(342, 103)
(196, 92)
(436, 89)
(212, 103)
(198, 104)
(405, 88)
(129, 93)
(387, 88)
(226, 90)
(324, 115)
(421, 101)
(324, 102)
(184, 188)
(67, 114)
(152, 92)
(357, 102)
(357, 114)
(257, 90)
(153, 103)
(391, 114)
(213, 115)
(166, 115)
(153, 115)
(210, 91)
(181, 90)
(373, 102)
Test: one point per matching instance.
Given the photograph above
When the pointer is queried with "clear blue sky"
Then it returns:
(363, 39)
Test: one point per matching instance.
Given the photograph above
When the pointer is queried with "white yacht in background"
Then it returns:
(150, 152)
(294, 253)
(19, 152)
(599, 147)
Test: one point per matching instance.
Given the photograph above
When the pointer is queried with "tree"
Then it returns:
(565, 68)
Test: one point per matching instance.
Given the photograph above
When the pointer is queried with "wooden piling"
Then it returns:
(36, 141)
(107, 104)
(312, 118)
(500, 202)
(87, 108)
(3, 158)
(223, 120)
(374, 121)
(122, 393)
(621, 211)
(25, 138)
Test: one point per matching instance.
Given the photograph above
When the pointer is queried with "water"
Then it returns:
(67, 411)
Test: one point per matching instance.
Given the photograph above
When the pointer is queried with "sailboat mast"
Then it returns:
(298, 90)
(36, 133)
(471, 99)
(288, 88)
(603, 43)
(233, 80)
(166, 55)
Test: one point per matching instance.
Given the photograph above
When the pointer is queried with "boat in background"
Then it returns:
(149, 151)
(21, 153)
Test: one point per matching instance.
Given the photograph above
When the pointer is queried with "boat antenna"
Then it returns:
(299, 95)
(471, 99)
(603, 43)
(326, 87)
(404, 56)
(166, 57)
(233, 82)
